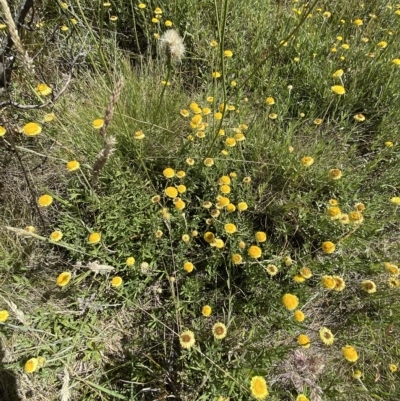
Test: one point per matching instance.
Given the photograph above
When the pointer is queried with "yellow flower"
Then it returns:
(395, 200)
(130, 261)
(64, 28)
(382, 44)
(254, 252)
(261, 236)
(326, 336)
(32, 129)
(2, 131)
(218, 115)
(107, 4)
(288, 261)
(225, 189)
(272, 270)
(273, 116)
(388, 144)
(206, 310)
(290, 301)
(302, 397)
(358, 22)
(116, 281)
(326, 14)
(396, 61)
(259, 388)
(359, 117)
(56, 236)
(233, 83)
(318, 121)
(4, 315)
(334, 212)
(335, 174)
(142, 5)
(338, 89)
(270, 101)
(298, 278)
(2, 26)
(156, 198)
(98, 123)
(168, 172)
(159, 234)
(168, 23)
(45, 200)
(392, 367)
(242, 206)
(190, 161)
(230, 228)
(187, 339)
(219, 330)
(216, 74)
(307, 161)
(328, 247)
(350, 353)
(356, 217)
(328, 282)
(188, 266)
(304, 341)
(237, 259)
(357, 374)
(94, 238)
(184, 113)
(338, 73)
(306, 272)
(392, 269)
(340, 283)
(345, 46)
(113, 18)
(208, 162)
(181, 188)
(43, 89)
(139, 135)
(299, 316)
(228, 53)
(73, 165)
(368, 286)
(31, 365)
(49, 117)
(296, 59)
(171, 192)
(63, 279)
(179, 204)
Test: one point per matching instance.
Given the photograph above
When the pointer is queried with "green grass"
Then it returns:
(107, 343)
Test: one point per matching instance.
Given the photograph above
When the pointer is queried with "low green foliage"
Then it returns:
(227, 192)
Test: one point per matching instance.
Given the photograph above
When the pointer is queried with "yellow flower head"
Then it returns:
(208, 162)
(359, 117)
(340, 283)
(357, 374)
(130, 261)
(188, 266)
(230, 228)
(116, 281)
(395, 200)
(307, 161)
(45, 200)
(270, 101)
(304, 341)
(261, 236)
(237, 259)
(328, 247)
(242, 206)
(333, 212)
(382, 44)
(63, 279)
(392, 269)
(206, 310)
(328, 282)
(187, 339)
(318, 121)
(299, 316)
(259, 388)
(326, 336)
(181, 188)
(392, 367)
(43, 90)
(98, 123)
(290, 301)
(179, 204)
(139, 135)
(171, 192)
(219, 331)
(4, 315)
(358, 22)
(216, 74)
(338, 89)
(254, 252)
(56, 236)
(368, 286)
(94, 238)
(228, 53)
(31, 365)
(306, 272)
(272, 270)
(73, 165)
(356, 217)
(2, 131)
(225, 189)
(298, 278)
(335, 174)
(32, 129)
(350, 353)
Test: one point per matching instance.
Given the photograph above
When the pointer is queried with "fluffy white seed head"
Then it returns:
(174, 44)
